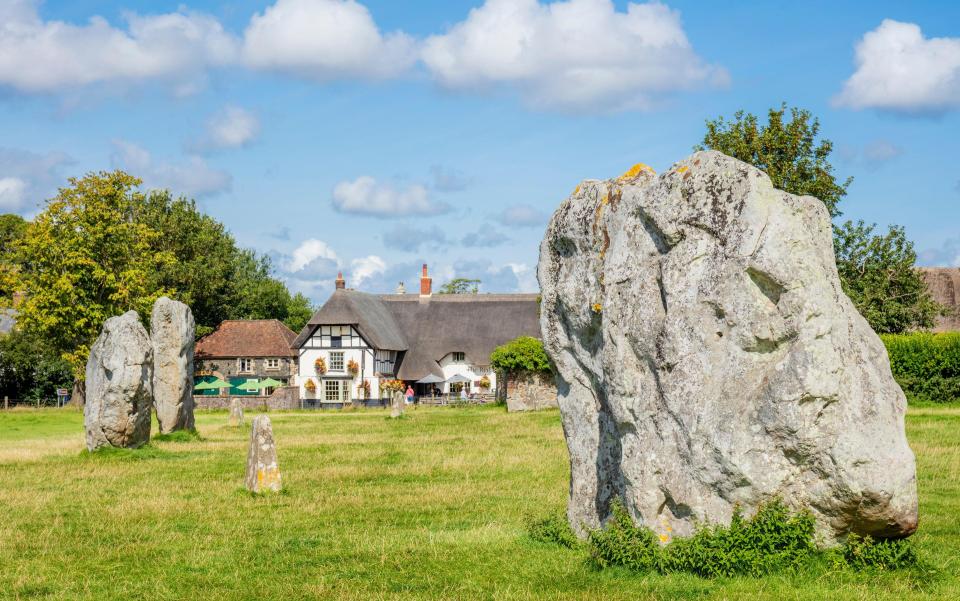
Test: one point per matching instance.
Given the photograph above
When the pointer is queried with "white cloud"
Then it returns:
(898, 69)
(366, 196)
(410, 238)
(38, 56)
(325, 39)
(484, 238)
(365, 268)
(233, 127)
(309, 251)
(947, 255)
(575, 55)
(522, 216)
(12, 194)
(193, 178)
(881, 151)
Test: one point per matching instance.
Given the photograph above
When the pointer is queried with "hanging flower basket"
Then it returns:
(310, 386)
(485, 383)
(363, 390)
(353, 368)
(391, 385)
(320, 366)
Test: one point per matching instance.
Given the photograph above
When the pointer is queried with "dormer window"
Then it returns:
(459, 357)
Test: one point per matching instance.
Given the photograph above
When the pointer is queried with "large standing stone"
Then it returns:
(263, 473)
(236, 413)
(707, 357)
(397, 404)
(172, 332)
(119, 381)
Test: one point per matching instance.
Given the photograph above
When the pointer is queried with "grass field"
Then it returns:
(431, 507)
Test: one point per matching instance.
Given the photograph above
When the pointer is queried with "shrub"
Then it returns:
(774, 539)
(553, 529)
(520, 354)
(927, 366)
(864, 552)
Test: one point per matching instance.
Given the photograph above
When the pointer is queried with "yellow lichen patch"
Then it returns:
(576, 190)
(682, 169)
(635, 171)
(597, 307)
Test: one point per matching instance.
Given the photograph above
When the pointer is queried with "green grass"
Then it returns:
(432, 507)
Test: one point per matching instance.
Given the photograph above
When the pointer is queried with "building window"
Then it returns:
(336, 361)
(336, 391)
(244, 365)
(459, 357)
(336, 341)
(273, 364)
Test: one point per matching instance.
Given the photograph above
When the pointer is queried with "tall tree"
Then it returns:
(86, 258)
(460, 286)
(877, 272)
(12, 230)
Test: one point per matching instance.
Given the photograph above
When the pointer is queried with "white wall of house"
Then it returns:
(354, 348)
(452, 365)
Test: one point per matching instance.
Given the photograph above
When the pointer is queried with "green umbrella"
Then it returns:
(250, 385)
(216, 384)
(271, 383)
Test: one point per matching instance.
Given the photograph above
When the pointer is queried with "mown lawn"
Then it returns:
(431, 507)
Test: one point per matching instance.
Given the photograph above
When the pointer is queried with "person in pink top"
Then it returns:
(409, 394)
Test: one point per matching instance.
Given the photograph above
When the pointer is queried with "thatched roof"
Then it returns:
(247, 338)
(430, 328)
(944, 286)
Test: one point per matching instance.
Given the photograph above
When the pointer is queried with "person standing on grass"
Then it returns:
(409, 394)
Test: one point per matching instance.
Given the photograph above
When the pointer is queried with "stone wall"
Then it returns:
(283, 398)
(526, 391)
(944, 284)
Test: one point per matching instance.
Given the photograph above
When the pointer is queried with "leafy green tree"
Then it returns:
(460, 286)
(877, 272)
(86, 258)
(29, 370)
(788, 152)
(12, 230)
(523, 354)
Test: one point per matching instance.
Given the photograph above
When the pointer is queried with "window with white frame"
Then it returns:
(459, 357)
(272, 364)
(336, 361)
(336, 391)
(244, 365)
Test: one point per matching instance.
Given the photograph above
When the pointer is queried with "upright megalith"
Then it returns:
(397, 403)
(119, 381)
(172, 333)
(263, 472)
(236, 413)
(707, 357)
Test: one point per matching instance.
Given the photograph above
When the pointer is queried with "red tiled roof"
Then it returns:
(247, 338)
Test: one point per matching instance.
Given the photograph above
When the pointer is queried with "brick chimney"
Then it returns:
(340, 283)
(426, 282)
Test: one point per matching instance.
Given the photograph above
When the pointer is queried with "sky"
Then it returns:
(373, 136)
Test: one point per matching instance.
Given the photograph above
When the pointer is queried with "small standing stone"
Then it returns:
(396, 404)
(236, 413)
(119, 382)
(263, 472)
(172, 335)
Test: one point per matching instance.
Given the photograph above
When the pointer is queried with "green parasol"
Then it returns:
(214, 385)
(271, 383)
(250, 385)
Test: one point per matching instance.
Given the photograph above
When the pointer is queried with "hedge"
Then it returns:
(927, 366)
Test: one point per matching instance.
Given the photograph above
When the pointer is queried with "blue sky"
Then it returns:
(374, 136)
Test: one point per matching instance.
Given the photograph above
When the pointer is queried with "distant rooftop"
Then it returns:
(247, 338)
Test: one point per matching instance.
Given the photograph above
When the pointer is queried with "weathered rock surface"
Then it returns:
(236, 413)
(263, 472)
(707, 357)
(119, 379)
(172, 333)
(397, 403)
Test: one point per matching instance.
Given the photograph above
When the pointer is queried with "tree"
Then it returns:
(460, 286)
(788, 152)
(523, 354)
(29, 370)
(877, 272)
(86, 258)
(12, 230)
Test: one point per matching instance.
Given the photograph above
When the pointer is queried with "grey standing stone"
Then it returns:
(263, 472)
(707, 357)
(236, 413)
(119, 385)
(397, 404)
(172, 333)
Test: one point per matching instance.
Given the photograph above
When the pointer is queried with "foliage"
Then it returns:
(353, 368)
(925, 365)
(12, 230)
(310, 385)
(485, 382)
(391, 386)
(86, 258)
(460, 286)
(788, 152)
(521, 354)
(363, 389)
(772, 540)
(553, 529)
(320, 366)
(878, 274)
(29, 370)
(865, 553)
